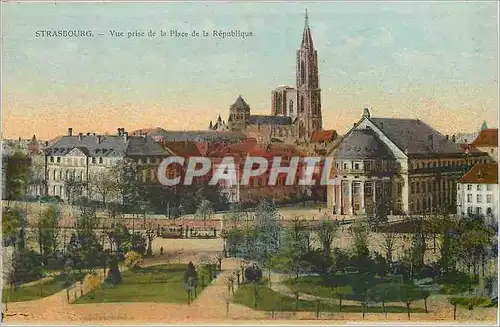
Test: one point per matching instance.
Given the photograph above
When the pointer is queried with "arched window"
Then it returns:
(302, 72)
(290, 107)
(301, 104)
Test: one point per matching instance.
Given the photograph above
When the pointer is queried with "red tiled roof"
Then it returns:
(323, 135)
(481, 174)
(487, 137)
(468, 147)
(183, 148)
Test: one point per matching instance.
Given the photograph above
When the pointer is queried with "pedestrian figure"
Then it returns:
(161, 250)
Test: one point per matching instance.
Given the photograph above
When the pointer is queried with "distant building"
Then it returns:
(404, 163)
(295, 113)
(487, 141)
(80, 158)
(477, 191)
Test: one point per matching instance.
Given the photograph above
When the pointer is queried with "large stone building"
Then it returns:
(295, 113)
(403, 163)
(86, 158)
(477, 191)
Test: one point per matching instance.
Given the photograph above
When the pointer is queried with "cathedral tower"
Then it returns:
(308, 91)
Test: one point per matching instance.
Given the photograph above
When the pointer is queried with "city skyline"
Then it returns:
(415, 60)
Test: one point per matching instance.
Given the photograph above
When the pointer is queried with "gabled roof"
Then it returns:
(481, 174)
(412, 136)
(362, 144)
(487, 138)
(323, 135)
(269, 120)
(184, 148)
(106, 145)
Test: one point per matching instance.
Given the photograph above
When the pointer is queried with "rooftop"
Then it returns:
(481, 174)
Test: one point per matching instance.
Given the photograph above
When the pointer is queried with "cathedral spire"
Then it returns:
(306, 36)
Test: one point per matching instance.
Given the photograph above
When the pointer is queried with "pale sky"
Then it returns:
(433, 61)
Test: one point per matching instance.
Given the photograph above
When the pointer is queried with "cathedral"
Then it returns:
(295, 113)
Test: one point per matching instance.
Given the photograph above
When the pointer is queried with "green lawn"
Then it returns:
(315, 285)
(162, 283)
(269, 300)
(37, 291)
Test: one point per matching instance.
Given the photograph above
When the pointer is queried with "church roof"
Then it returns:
(269, 120)
(307, 41)
(323, 135)
(362, 144)
(240, 105)
(413, 136)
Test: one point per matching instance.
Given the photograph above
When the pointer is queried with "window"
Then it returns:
(368, 189)
(479, 210)
(418, 187)
(469, 198)
(412, 188)
(489, 187)
(356, 188)
(52, 160)
(469, 210)
(489, 198)
(93, 160)
(368, 166)
(488, 211)
(345, 165)
(479, 198)
(100, 160)
(400, 188)
(58, 159)
(469, 187)
(356, 166)
(479, 187)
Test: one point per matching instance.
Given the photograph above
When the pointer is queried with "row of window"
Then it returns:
(379, 165)
(445, 163)
(100, 160)
(479, 198)
(479, 187)
(479, 210)
(425, 187)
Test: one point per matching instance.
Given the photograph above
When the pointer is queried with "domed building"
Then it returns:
(403, 166)
(365, 172)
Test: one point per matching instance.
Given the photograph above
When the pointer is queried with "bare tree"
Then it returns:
(204, 210)
(388, 243)
(104, 183)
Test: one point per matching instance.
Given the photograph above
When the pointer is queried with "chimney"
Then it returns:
(98, 139)
(80, 135)
(119, 131)
(70, 131)
(125, 136)
(447, 137)
(453, 139)
(88, 133)
(381, 125)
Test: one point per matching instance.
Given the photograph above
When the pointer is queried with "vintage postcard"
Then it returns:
(249, 163)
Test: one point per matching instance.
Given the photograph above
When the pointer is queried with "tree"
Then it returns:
(359, 234)
(73, 186)
(204, 211)
(409, 293)
(266, 239)
(104, 183)
(295, 246)
(190, 280)
(114, 274)
(389, 241)
(48, 230)
(382, 210)
(237, 214)
(18, 175)
(12, 222)
(342, 291)
(326, 232)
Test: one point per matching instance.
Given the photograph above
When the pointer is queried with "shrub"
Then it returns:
(91, 281)
(114, 274)
(133, 259)
(253, 274)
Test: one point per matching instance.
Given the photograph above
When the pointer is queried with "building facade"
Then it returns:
(74, 163)
(487, 141)
(402, 163)
(477, 191)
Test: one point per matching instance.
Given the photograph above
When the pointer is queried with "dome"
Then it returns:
(362, 144)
